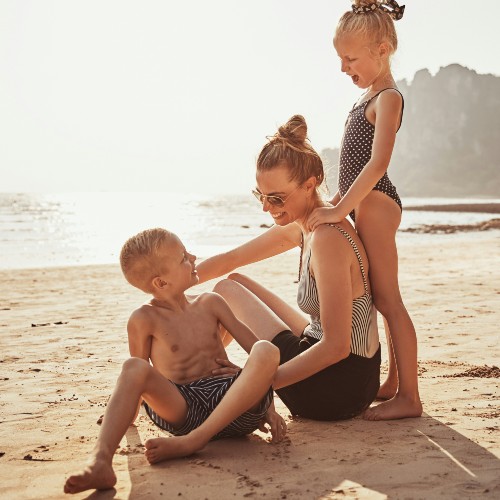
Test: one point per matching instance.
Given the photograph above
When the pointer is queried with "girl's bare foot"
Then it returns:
(172, 447)
(397, 407)
(387, 390)
(99, 475)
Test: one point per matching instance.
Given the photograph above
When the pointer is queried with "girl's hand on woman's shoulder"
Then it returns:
(323, 215)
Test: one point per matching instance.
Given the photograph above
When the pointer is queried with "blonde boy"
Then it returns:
(180, 336)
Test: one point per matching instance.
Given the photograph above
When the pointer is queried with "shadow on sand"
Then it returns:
(411, 458)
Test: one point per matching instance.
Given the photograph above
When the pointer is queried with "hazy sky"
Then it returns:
(157, 95)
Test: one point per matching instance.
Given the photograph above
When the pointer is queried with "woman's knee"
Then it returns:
(225, 287)
(238, 277)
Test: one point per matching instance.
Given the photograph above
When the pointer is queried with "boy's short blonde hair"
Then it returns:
(140, 258)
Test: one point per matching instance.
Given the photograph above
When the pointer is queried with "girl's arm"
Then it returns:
(336, 198)
(387, 119)
(333, 280)
(274, 241)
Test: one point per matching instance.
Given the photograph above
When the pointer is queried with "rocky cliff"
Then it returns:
(449, 143)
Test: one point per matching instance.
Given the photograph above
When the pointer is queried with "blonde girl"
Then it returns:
(365, 39)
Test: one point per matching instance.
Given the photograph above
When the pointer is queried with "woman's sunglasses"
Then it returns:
(275, 201)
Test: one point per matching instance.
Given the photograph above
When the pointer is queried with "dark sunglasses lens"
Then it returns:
(275, 201)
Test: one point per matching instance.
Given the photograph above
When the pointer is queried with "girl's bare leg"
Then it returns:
(138, 378)
(246, 392)
(389, 387)
(377, 220)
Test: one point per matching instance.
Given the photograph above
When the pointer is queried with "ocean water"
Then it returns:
(39, 230)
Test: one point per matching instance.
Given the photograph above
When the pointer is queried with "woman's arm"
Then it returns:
(274, 241)
(333, 281)
(387, 119)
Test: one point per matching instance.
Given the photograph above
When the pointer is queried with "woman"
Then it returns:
(330, 363)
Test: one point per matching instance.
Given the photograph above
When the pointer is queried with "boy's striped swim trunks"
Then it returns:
(202, 397)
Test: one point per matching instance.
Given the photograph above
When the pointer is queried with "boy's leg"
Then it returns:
(138, 378)
(247, 391)
(377, 222)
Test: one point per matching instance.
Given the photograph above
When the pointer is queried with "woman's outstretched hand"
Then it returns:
(226, 367)
(276, 424)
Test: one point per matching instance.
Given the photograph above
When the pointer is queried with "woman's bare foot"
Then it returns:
(172, 447)
(397, 407)
(388, 389)
(99, 475)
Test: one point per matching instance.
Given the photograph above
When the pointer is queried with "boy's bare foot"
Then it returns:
(387, 390)
(172, 447)
(99, 475)
(397, 407)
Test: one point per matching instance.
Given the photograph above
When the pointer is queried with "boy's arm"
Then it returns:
(139, 336)
(139, 341)
(238, 330)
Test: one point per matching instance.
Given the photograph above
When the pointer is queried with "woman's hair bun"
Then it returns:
(291, 148)
(294, 130)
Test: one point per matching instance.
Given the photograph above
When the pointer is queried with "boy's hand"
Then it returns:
(323, 215)
(275, 422)
(226, 367)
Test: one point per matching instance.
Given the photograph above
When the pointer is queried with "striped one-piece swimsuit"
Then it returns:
(364, 333)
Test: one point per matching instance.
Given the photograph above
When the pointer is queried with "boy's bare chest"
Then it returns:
(186, 345)
(193, 329)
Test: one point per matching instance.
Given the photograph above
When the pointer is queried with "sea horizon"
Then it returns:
(81, 228)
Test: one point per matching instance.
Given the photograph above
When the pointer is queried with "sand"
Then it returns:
(63, 340)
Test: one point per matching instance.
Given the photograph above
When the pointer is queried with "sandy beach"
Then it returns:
(63, 340)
